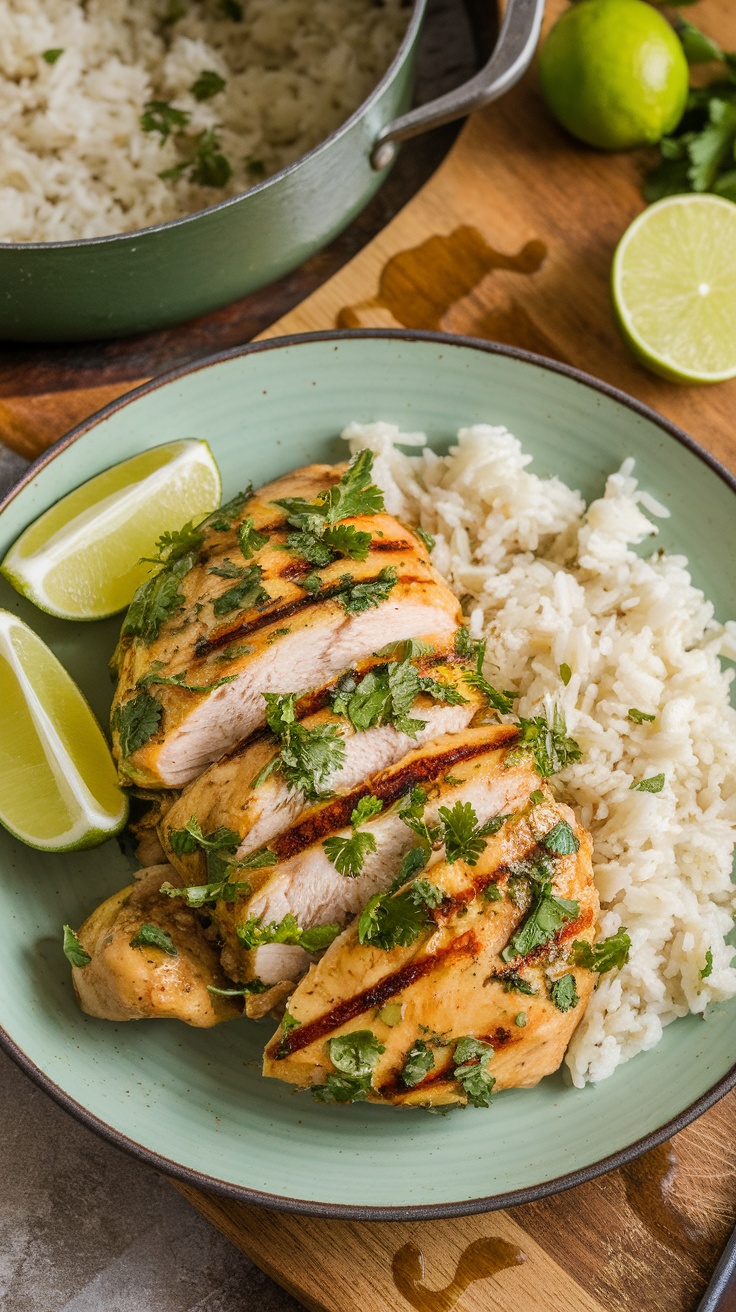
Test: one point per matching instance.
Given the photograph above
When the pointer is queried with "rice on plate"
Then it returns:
(99, 99)
(629, 650)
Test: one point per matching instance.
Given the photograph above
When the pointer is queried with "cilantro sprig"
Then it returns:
(306, 757)
(387, 694)
(612, 953)
(244, 594)
(547, 915)
(219, 847)
(464, 836)
(348, 854)
(136, 721)
(390, 920)
(320, 536)
(548, 744)
(470, 1061)
(419, 1061)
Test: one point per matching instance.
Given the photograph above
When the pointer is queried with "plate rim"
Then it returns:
(345, 1211)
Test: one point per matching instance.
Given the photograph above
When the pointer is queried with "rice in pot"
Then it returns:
(556, 586)
(75, 159)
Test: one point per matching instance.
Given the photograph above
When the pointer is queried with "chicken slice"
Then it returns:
(245, 626)
(461, 978)
(469, 767)
(126, 982)
(224, 795)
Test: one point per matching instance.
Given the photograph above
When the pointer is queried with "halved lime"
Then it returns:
(674, 288)
(81, 559)
(58, 784)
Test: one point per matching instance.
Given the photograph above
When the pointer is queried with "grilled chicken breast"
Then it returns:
(127, 982)
(469, 767)
(464, 976)
(243, 613)
(224, 795)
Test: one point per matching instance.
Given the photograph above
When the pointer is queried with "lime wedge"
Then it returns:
(58, 785)
(674, 288)
(81, 559)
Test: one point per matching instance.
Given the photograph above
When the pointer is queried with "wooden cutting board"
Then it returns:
(511, 240)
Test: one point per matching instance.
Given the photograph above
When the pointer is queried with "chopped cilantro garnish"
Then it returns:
(353, 495)
(654, 784)
(207, 85)
(464, 837)
(425, 538)
(254, 934)
(600, 957)
(162, 117)
(354, 1057)
(307, 757)
(358, 597)
(390, 1014)
(180, 681)
(548, 914)
(520, 1019)
(639, 717)
(419, 1061)
(536, 797)
(492, 893)
(237, 650)
(470, 649)
(498, 701)
(392, 920)
(73, 950)
(452, 781)
(565, 674)
(199, 895)
(310, 549)
(249, 539)
(564, 993)
(348, 854)
(561, 839)
(222, 520)
(471, 1058)
(136, 721)
(220, 848)
(51, 56)
(248, 592)
(386, 696)
(513, 982)
(708, 967)
(150, 936)
(548, 743)
(240, 990)
(210, 168)
(309, 582)
(227, 570)
(157, 599)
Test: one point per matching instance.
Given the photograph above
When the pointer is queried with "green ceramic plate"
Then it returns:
(193, 1102)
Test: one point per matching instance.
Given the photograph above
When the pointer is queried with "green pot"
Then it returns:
(151, 278)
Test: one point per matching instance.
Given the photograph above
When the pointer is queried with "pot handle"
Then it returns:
(511, 57)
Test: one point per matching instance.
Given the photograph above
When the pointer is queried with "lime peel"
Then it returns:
(673, 283)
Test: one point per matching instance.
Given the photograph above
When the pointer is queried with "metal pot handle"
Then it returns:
(511, 57)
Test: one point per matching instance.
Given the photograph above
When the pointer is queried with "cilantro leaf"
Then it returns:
(73, 950)
(248, 592)
(536, 797)
(391, 920)
(346, 540)
(704, 973)
(221, 521)
(180, 542)
(340, 1088)
(354, 1057)
(249, 539)
(240, 990)
(157, 599)
(548, 914)
(358, 597)
(563, 993)
(411, 863)
(654, 784)
(210, 167)
(162, 117)
(464, 837)
(353, 495)
(187, 840)
(254, 934)
(498, 701)
(227, 570)
(419, 1061)
(150, 936)
(471, 1058)
(310, 548)
(51, 56)
(310, 582)
(199, 895)
(425, 538)
(136, 721)
(561, 840)
(492, 893)
(365, 810)
(611, 952)
(180, 681)
(513, 982)
(470, 649)
(348, 854)
(207, 85)
(565, 674)
(640, 716)
(548, 743)
(307, 757)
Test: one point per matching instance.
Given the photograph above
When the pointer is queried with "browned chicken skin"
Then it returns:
(452, 981)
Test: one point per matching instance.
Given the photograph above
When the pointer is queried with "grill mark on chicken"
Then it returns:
(205, 646)
(336, 814)
(376, 996)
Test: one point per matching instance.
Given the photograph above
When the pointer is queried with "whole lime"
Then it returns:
(614, 73)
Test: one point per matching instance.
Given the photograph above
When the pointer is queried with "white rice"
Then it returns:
(551, 583)
(74, 158)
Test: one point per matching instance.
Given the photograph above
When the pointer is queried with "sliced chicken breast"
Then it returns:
(219, 627)
(475, 974)
(126, 980)
(224, 795)
(469, 767)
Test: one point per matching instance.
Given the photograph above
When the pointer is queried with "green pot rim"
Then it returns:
(341, 1211)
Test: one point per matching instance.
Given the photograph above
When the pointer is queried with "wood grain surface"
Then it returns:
(511, 239)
